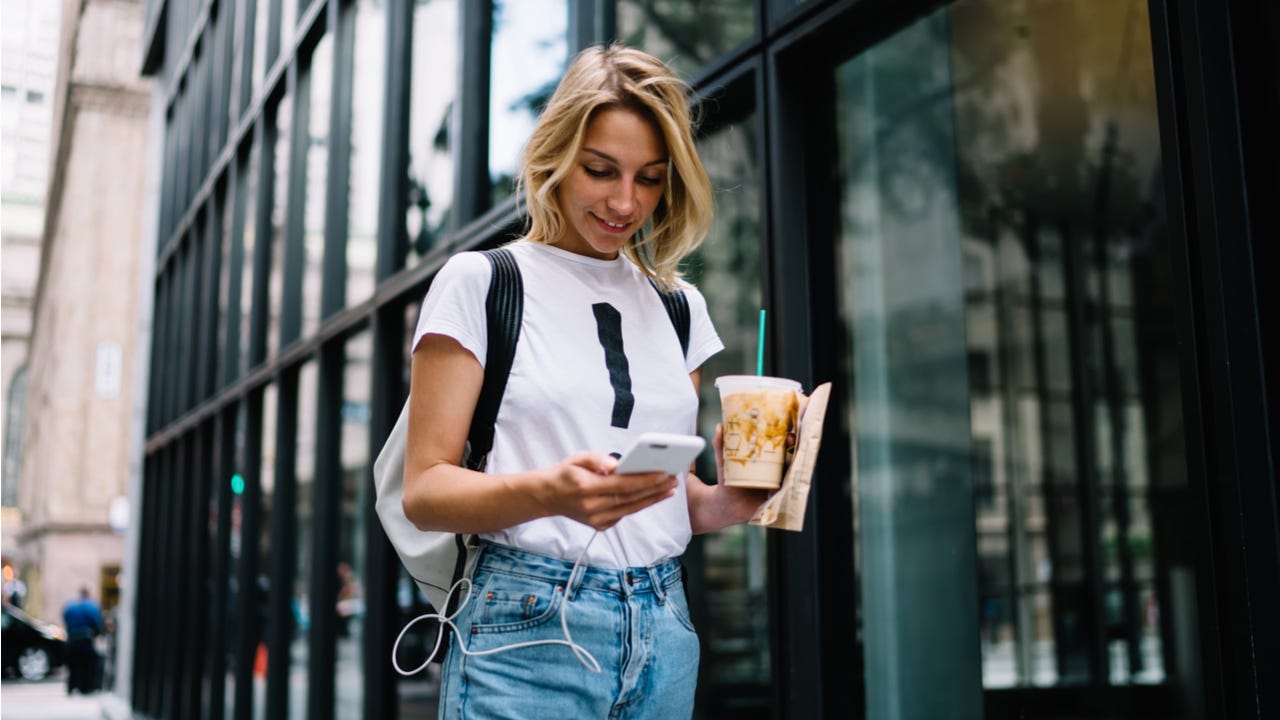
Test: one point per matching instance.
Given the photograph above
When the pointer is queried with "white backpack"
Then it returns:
(437, 560)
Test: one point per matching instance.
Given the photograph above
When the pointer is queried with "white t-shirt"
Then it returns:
(582, 316)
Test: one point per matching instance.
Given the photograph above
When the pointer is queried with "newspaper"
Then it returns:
(784, 510)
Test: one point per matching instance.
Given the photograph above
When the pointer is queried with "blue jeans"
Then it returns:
(634, 622)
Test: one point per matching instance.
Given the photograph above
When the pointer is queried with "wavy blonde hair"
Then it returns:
(618, 77)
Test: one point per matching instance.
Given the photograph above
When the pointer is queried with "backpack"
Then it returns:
(437, 560)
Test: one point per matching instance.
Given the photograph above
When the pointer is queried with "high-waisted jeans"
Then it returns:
(634, 622)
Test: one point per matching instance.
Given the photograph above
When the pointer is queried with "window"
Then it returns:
(1000, 277)
(14, 416)
(529, 53)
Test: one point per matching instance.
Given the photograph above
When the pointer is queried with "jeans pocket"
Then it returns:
(509, 602)
(677, 604)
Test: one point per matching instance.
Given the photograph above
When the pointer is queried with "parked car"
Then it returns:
(31, 648)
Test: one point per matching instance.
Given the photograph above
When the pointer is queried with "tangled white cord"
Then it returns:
(584, 656)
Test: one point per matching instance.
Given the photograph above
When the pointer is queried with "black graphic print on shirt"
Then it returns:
(609, 328)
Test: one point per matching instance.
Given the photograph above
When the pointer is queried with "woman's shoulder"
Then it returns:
(469, 267)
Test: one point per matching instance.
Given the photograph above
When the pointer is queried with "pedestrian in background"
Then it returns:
(83, 620)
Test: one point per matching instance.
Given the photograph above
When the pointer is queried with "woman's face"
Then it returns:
(615, 186)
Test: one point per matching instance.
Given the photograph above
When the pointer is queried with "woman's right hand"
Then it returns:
(584, 488)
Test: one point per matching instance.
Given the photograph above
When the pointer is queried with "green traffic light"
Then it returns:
(237, 484)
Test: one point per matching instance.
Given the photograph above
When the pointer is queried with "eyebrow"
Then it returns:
(610, 158)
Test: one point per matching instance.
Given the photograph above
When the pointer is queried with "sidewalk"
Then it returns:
(47, 700)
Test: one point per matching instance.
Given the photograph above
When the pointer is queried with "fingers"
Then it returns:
(618, 496)
(717, 444)
(600, 499)
(598, 463)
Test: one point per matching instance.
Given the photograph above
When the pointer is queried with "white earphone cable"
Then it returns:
(584, 656)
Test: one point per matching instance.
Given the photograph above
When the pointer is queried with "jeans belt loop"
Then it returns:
(655, 579)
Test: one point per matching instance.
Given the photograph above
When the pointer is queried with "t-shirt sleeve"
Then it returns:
(703, 339)
(454, 305)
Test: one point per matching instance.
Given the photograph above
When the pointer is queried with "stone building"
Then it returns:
(28, 56)
(88, 311)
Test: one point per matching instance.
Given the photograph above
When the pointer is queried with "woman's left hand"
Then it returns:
(712, 507)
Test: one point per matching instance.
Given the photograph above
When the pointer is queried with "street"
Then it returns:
(47, 700)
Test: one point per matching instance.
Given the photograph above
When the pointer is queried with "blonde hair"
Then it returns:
(618, 77)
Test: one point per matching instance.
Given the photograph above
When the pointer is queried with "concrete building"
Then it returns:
(81, 396)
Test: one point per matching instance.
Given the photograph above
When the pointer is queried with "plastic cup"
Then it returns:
(759, 412)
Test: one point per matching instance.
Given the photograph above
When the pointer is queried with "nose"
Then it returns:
(623, 198)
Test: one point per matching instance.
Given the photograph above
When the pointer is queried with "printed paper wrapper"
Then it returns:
(784, 510)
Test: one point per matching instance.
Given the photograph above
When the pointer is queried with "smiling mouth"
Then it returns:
(612, 226)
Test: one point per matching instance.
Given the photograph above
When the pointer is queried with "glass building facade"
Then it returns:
(1023, 239)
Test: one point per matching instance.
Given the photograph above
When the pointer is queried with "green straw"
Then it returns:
(760, 346)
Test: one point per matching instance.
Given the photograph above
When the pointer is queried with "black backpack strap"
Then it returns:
(677, 306)
(504, 309)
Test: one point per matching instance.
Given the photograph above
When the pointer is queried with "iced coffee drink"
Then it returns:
(759, 412)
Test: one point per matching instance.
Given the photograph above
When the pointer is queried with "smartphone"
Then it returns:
(661, 452)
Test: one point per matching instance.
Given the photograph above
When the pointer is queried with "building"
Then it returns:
(87, 312)
(28, 60)
(1024, 239)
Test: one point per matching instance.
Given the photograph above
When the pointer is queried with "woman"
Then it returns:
(616, 197)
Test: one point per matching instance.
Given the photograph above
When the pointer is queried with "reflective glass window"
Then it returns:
(279, 204)
(357, 383)
(732, 608)
(288, 24)
(431, 133)
(529, 53)
(248, 197)
(304, 534)
(211, 634)
(262, 589)
(261, 63)
(321, 73)
(366, 140)
(685, 34)
(1001, 278)
(225, 329)
(233, 624)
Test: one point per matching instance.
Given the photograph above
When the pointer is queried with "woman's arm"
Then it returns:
(712, 507)
(439, 494)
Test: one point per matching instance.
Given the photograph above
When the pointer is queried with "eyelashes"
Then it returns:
(642, 179)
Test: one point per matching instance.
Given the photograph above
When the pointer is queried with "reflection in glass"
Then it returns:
(214, 634)
(234, 13)
(1022, 140)
(279, 204)
(529, 53)
(686, 35)
(366, 137)
(288, 23)
(262, 589)
(435, 60)
(248, 195)
(261, 11)
(733, 606)
(232, 625)
(356, 385)
(224, 204)
(317, 177)
(300, 601)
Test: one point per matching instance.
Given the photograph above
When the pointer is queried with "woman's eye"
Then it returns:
(644, 180)
(596, 173)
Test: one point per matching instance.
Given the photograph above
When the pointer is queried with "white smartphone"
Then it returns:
(661, 452)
